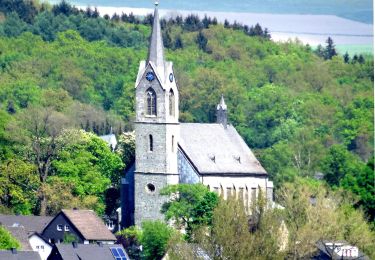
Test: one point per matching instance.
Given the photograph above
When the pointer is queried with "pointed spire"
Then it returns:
(222, 104)
(156, 49)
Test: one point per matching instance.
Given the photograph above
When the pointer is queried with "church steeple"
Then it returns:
(221, 113)
(156, 49)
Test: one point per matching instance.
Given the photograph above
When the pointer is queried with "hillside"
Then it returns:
(300, 113)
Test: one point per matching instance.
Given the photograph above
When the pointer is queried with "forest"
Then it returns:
(67, 76)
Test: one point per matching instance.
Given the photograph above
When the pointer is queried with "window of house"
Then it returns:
(151, 102)
(150, 143)
(59, 227)
(172, 143)
(67, 228)
(171, 103)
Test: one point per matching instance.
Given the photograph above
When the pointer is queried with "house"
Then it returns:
(77, 251)
(110, 140)
(31, 224)
(14, 254)
(27, 230)
(328, 250)
(169, 152)
(85, 225)
(41, 245)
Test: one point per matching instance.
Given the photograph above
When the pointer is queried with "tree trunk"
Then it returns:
(43, 204)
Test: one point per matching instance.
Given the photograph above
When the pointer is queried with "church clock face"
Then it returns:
(171, 77)
(150, 76)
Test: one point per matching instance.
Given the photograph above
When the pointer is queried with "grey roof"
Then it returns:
(214, 149)
(156, 49)
(110, 140)
(19, 255)
(21, 235)
(30, 223)
(89, 224)
(89, 251)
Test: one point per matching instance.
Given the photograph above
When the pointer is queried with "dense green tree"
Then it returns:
(191, 207)
(154, 239)
(312, 214)
(7, 241)
(13, 25)
(19, 184)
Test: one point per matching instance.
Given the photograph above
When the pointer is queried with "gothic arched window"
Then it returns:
(151, 102)
(171, 103)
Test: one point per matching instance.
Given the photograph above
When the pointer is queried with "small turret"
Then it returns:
(221, 113)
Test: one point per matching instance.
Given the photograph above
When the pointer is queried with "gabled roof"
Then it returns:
(30, 223)
(19, 255)
(89, 225)
(110, 140)
(89, 251)
(216, 150)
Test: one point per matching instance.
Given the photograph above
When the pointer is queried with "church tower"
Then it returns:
(157, 129)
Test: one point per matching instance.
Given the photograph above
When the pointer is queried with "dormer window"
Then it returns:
(151, 102)
(171, 103)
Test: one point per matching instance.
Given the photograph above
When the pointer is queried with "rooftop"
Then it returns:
(214, 149)
(89, 251)
(89, 224)
(30, 223)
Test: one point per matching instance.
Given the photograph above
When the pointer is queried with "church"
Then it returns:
(169, 152)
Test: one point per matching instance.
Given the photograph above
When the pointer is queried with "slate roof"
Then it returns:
(110, 140)
(89, 224)
(214, 150)
(21, 235)
(89, 251)
(30, 223)
(20, 255)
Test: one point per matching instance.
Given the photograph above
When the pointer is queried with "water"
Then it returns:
(361, 10)
(310, 28)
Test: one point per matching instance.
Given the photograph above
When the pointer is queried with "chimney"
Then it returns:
(75, 244)
(14, 250)
(221, 113)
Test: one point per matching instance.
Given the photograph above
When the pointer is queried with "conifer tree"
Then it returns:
(346, 57)
(330, 50)
(178, 44)
(202, 41)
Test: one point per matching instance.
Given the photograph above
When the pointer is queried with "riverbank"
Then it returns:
(310, 29)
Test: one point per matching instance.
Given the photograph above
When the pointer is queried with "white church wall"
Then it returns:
(246, 187)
